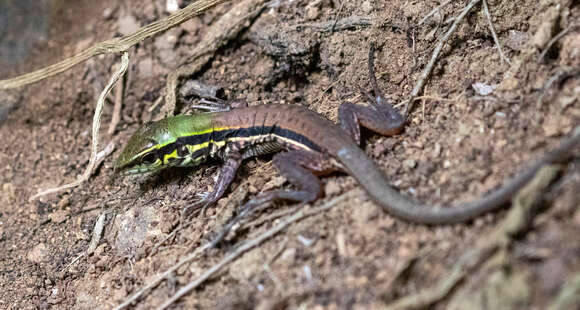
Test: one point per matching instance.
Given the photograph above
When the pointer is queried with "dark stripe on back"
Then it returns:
(292, 135)
(226, 134)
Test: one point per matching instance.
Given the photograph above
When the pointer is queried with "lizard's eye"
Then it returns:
(148, 159)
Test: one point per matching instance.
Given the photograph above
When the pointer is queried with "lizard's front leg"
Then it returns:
(226, 176)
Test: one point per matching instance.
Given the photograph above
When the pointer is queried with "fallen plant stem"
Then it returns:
(427, 71)
(112, 46)
(206, 246)
(95, 133)
(493, 34)
(250, 244)
(555, 39)
(432, 12)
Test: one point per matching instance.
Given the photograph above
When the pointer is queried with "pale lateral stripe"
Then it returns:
(197, 147)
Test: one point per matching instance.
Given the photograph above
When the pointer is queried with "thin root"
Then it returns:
(427, 71)
(112, 46)
(95, 134)
(247, 246)
(493, 34)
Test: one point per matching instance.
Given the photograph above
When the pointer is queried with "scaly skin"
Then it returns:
(153, 136)
(313, 139)
(314, 146)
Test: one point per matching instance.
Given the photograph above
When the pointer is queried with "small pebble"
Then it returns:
(312, 13)
(409, 163)
(332, 188)
(437, 150)
(305, 241)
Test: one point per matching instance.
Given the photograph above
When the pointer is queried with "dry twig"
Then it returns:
(242, 249)
(517, 221)
(110, 46)
(555, 39)
(337, 15)
(253, 243)
(427, 71)
(493, 34)
(161, 277)
(113, 46)
(435, 10)
(409, 103)
(95, 134)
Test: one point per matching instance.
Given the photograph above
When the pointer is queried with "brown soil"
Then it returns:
(457, 145)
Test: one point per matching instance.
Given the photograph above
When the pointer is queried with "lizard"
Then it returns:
(307, 146)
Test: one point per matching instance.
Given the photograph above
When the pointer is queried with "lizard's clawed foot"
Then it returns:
(219, 105)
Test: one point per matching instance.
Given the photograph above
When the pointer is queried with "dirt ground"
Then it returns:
(459, 143)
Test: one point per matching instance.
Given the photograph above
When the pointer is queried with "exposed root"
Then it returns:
(95, 134)
(113, 46)
(429, 67)
(250, 244)
(493, 34)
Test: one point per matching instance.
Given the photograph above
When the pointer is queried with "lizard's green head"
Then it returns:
(160, 144)
(141, 154)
